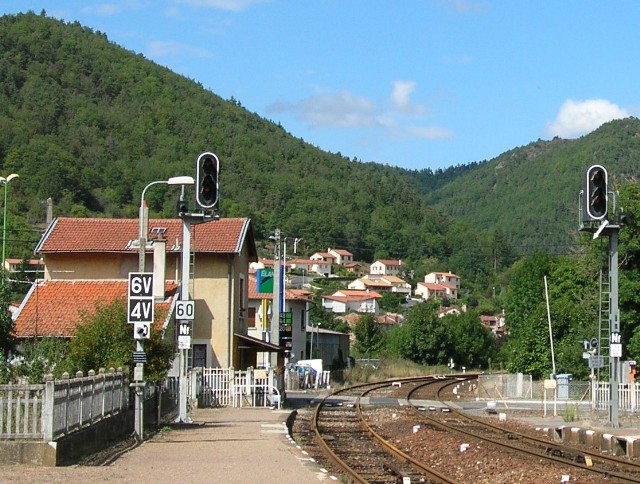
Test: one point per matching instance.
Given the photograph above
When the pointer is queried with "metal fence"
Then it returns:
(221, 387)
(58, 407)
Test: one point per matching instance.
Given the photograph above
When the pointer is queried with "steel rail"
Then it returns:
(386, 445)
(561, 448)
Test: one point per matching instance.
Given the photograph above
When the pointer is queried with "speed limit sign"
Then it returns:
(185, 310)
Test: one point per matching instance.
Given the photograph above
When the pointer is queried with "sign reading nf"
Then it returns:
(140, 298)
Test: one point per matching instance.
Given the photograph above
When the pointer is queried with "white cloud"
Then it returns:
(230, 5)
(400, 97)
(160, 48)
(577, 118)
(343, 110)
(346, 110)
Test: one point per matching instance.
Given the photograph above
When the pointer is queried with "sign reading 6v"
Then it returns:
(140, 300)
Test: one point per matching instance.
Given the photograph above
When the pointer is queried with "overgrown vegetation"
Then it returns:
(104, 339)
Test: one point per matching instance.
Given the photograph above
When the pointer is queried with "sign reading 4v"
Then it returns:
(140, 299)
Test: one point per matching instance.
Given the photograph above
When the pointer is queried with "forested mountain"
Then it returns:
(89, 124)
(531, 193)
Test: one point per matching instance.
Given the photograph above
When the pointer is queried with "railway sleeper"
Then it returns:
(394, 471)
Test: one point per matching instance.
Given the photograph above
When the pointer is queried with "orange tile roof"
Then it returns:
(54, 308)
(65, 234)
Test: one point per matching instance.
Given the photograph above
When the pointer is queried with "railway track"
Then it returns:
(456, 421)
(356, 449)
(361, 433)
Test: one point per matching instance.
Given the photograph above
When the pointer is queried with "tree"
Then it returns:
(104, 339)
(369, 337)
(423, 338)
(473, 345)
(41, 358)
(6, 324)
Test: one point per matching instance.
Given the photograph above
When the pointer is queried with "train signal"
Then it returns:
(596, 194)
(207, 181)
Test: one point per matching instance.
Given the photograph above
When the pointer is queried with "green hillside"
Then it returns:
(89, 124)
(531, 193)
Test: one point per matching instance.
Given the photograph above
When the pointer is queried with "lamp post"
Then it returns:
(139, 383)
(5, 182)
(142, 236)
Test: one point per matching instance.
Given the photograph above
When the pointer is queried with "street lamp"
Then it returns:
(142, 236)
(5, 182)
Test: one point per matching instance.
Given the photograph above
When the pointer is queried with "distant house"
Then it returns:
(312, 266)
(389, 321)
(386, 267)
(447, 311)
(432, 290)
(444, 278)
(34, 267)
(381, 284)
(354, 267)
(494, 323)
(341, 256)
(438, 285)
(323, 256)
(345, 301)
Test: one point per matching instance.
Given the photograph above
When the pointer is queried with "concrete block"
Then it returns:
(606, 442)
(633, 447)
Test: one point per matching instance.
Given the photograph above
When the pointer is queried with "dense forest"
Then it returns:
(88, 124)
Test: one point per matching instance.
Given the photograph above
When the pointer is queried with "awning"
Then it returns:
(247, 342)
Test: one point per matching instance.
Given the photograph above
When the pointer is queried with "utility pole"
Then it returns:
(277, 308)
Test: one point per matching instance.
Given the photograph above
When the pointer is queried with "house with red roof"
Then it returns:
(438, 285)
(381, 284)
(87, 262)
(341, 256)
(345, 301)
(386, 267)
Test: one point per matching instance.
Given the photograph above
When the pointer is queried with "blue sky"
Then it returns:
(411, 83)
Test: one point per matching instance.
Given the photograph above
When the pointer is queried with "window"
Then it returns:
(302, 321)
(251, 321)
(200, 356)
(241, 293)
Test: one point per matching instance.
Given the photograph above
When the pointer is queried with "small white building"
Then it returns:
(377, 283)
(342, 257)
(345, 301)
(386, 267)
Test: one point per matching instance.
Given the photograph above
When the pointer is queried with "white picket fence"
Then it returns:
(58, 407)
(628, 396)
(223, 387)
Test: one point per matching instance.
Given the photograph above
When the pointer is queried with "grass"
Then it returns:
(570, 413)
(385, 369)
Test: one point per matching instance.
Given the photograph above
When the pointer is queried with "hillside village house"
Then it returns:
(384, 267)
(438, 285)
(341, 256)
(345, 301)
(87, 262)
(311, 266)
(377, 283)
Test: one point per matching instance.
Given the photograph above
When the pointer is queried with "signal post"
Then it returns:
(207, 191)
(602, 220)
